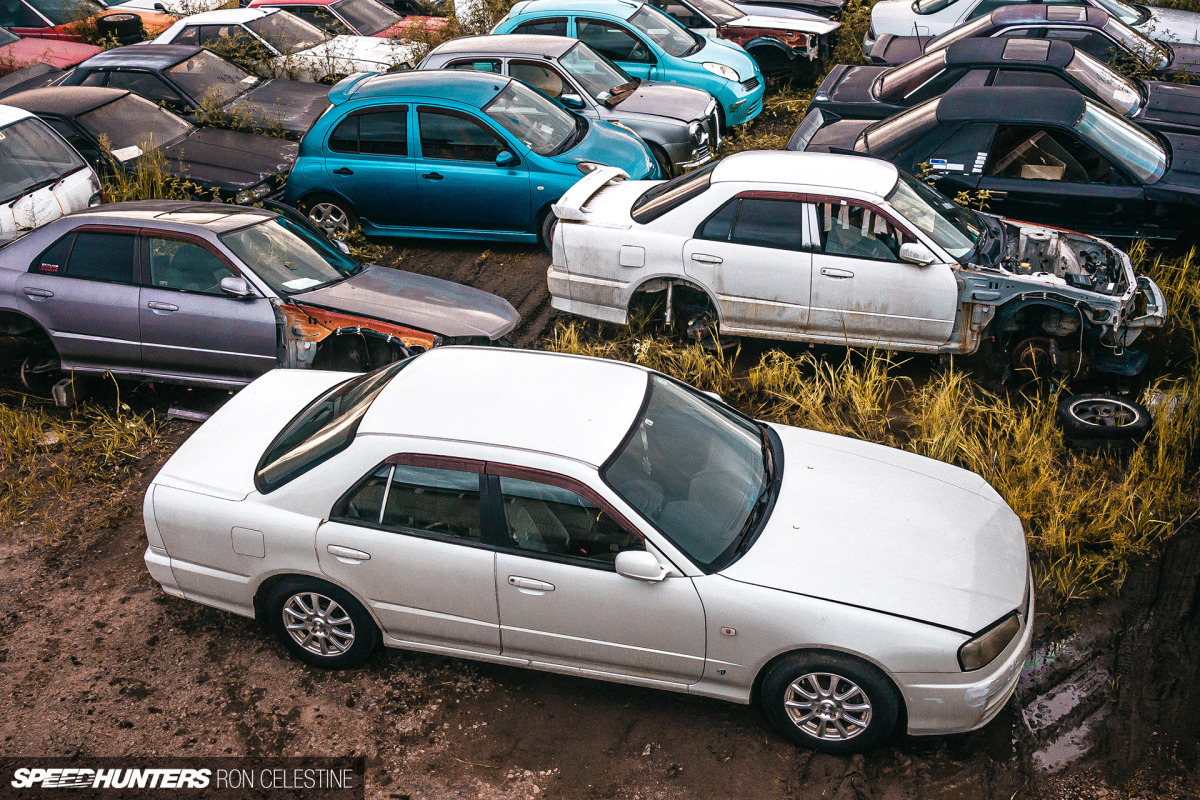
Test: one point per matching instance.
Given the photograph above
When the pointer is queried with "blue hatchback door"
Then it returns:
(368, 161)
(460, 184)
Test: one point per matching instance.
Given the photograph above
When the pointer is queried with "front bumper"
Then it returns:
(742, 102)
(943, 703)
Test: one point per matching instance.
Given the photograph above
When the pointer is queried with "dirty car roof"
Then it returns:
(215, 217)
(571, 406)
(516, 43)
(148, 56)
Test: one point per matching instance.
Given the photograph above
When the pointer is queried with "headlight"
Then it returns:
(260, 191)
(728, 73)
(588, 166)
(983, 649)
(243, 198)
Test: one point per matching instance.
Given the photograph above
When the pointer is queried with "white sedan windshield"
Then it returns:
(954, 228)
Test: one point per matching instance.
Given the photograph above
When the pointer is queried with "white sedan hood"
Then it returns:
(362, 53)
(811, 24)
(1172, 25)
(880, 528)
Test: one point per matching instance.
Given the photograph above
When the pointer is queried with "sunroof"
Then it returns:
(1026, 50)
(1066, 13)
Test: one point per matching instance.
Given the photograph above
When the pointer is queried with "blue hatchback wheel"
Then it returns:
(333, 217)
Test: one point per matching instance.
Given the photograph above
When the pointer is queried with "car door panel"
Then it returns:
(863, 294)
(423, 581)
(562, 603)
(367, 162)
(199, 330)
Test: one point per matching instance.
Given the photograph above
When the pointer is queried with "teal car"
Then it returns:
(650, 45)
(450, 154)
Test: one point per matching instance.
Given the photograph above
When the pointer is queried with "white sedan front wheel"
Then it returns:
(830, 702)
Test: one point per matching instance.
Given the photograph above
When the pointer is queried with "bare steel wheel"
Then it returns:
(829, 701)
(320, 623)
(333, 216)
(828, 706)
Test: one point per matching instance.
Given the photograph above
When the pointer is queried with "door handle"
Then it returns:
(530, 584)
(160, 307)
(830, 272)
(432, 176)
(343, 171)
(40, 294)
(705, 258)
(348, 554)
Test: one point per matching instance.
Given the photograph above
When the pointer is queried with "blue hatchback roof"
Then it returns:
(622, 9)
(470, 88)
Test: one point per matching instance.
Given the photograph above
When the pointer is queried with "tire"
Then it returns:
(664, 161)
(546, 229)
(1103, 422)
(125, 28)
(771, 62)
(40, 370)
(331, 214)
(866, 715)
(320, 635)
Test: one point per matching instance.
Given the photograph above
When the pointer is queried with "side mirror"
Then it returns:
(641, 565)
(235, 285)
(916, 253)
(505, 159)
(345, 248)
(571, 100)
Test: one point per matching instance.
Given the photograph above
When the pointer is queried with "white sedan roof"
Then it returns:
(831, 170)
(569, 406)
(9, 115)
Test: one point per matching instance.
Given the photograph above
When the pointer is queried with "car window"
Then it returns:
(189, 35)
(323, 19)
(551, 26)
(379, 133)
(368, 17)
(688, 17)
(105, 257)
(1047, 154)
(148, 86)
(32, 155)
(207, 76)
(15, 14)
(854, 231)
(964, 151)
(476, 65)
(455, 136)
(1090, 41)
(97, 78)
(1025, 77)
(541, 518)
(186, 266)
(757, 222)
(666, 32)
(986, 7)
(323, 429)
(540, 77)
(613, 41)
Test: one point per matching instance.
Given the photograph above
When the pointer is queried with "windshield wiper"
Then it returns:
(744, 539)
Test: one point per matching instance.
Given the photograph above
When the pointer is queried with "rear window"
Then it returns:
(664, 197)
(322, 430)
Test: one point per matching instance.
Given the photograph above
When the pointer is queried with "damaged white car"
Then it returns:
(777, 245)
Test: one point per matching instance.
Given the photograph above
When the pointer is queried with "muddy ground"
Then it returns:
(95, 660)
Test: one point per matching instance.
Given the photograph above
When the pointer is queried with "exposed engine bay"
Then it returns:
(1080, 261)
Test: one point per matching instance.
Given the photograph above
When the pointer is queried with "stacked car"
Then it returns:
(972, 192)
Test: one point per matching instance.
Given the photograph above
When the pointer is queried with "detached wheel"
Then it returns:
(321, 624)
(334, 216)
(1103, 422)
(830, 702)
(125, 28)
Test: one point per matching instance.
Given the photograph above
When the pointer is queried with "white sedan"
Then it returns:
(595, 518)
(280, 45)
(934, 17)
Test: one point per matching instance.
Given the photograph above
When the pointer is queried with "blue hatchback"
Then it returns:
(450, 154)
(650, 45)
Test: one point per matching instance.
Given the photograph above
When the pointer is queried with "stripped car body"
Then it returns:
(769, 243)
(215, 295)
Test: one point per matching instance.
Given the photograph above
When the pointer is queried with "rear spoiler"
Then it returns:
(343, 89)
(570, 205)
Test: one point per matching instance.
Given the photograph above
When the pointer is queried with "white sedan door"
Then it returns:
(862, 293)
(749, 252)
(409, 541)
(563, 604)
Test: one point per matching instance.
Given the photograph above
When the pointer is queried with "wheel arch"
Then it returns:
(756, 686)
(265, 586)
(685, 283)
(18, 323)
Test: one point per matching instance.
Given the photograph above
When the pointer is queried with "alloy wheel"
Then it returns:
(318, 624)
(331, 219)
(1108, 412)
(827, 707)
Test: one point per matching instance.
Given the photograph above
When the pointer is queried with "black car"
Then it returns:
(1092, 30)
(111, 128)
(879, 92)
(205, 88)
(1048, 156)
